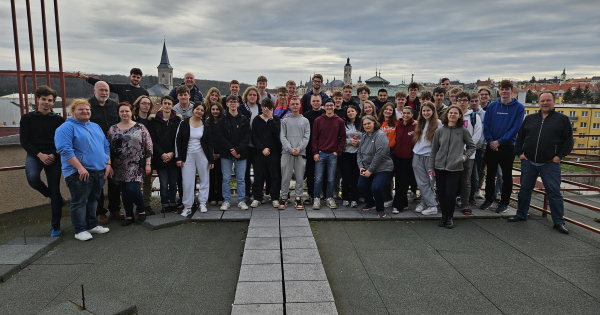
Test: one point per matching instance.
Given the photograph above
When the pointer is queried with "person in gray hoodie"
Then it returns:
(375, 164)
(448, 154)
(294, 136)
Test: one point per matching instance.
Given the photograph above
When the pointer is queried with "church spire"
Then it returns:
(164, 58)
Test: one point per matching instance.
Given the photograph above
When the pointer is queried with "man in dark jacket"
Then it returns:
(190, 81)
(382, 98)
(545, 138)
(309, 173)
(233, 134)
(127, 92)
(317, 83)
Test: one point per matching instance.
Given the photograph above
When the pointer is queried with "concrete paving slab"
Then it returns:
(257, 309)
(263, 232)
(6, 271)
(155, 222)
(347, 214)
(259, 222)
(383, 235)
(265, 214)
(583, 272)
(322, 215)
(301, 256)
(21, 255)
(296, 231)
(307, 291)
(293, 222)
(304, 272)
(298, 242)
(233, 215)
(324, 308)
(206, 216)
(373, 216)
(292, 213)
(259, 293)
(261, 256)
(260, 273)
(403, 215)
(98, 304)
(436, 216)
(34, 241)
(262, 243)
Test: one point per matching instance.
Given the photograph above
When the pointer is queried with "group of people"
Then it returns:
(441, 147)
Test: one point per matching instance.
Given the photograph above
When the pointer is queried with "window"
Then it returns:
(527, 112)
(594, 138)
(583, 125)
(596, 126)
(593, 146)
(536, 111)
(572, 113)
(584, 114)
(580, 145)
(596, 114)
(581, 133)
(561, 111)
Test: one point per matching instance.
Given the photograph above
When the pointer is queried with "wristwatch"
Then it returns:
(148, 163)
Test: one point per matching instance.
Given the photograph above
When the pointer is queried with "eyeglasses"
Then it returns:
(315, 81)
(464, 100)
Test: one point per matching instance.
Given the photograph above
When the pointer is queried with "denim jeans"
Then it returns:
(240, 174)
(33, 169)
(84, 199)
(168, 186)
(131, 194)
(371, 189)
(330, 160)
(550, 174)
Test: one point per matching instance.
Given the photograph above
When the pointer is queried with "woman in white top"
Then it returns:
(427, 124)
(348, 159)
(194, 152)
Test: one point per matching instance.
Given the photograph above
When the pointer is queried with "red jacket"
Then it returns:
(328, 135)
(404, 139)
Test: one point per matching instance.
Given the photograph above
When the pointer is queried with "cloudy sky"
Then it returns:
(232, 39)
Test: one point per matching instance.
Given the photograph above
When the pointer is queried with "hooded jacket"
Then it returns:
(233, 132)
(404, 139)
(447, 148)
(195, 94)
(163, 134)
(85, 141)
(503, 121)
(295, 134)
(183, 138)
(542, 139)
(265, 134)
(373, 153)
(329, 134)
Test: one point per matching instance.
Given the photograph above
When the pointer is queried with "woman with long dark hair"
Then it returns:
(387, 119)
(403, 157)
(215, 190)
(348, 159)
(142, 107)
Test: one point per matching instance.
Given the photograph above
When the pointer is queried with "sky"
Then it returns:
(283, 40)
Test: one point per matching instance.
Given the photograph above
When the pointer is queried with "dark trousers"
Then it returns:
(371, 189)
(505, 156)
(33, 169)
(310, 175)
(263, 165)
(249, 164)
(114, 198)
(403, 171)
(215, 191)
(132, 195)
(446, 182)
(350, 174)
(387, 190)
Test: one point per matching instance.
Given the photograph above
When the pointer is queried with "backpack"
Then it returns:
(473, 120)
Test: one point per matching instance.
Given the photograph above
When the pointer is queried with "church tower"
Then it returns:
(348, 72)
(563, 76)
(165, 71)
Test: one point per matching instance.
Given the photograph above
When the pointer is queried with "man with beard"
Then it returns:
(127, 92)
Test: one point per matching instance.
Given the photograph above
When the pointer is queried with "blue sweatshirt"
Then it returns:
(503, 121)
(86, 141)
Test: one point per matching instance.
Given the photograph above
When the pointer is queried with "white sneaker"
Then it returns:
(275, 203)
(242, 205)
(430, 210)
(331, 203)
(203, 208)
(354, 204)
(395, 210)
(345, 203)
(255, 204)
(99, 230)
(266, 198)
(478, 195)
(186, 212)
(225, 205)
(388, 203)
(83, 236)
(420, 207)
(317, 204)
(412, 197)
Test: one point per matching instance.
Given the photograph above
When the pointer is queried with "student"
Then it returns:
(475, 127)
(347, 99)
(163, 129)
(215, 195)
(479, 150)
(445, 85)
(381, 99)
(37, 138)
(250, 109)
(261, 83)
(141, 112)
(413, 100)
(295, 135)
(184, 107)
(452, 95)
(363, 93)
(484, 97)
(214, 95)
(338, 100)
(447, 158)
(402, 158)
(368, 109)
(328, 139)
(234, 88)
(282, 110)
(317, 83)
(267, 158)
(349, 160)
(189, 80)
(127, 92)
(427, 124)
(438, 99)
(311, 115)
(233, 134)
(387, 119)
(194, 154)
(400, 98)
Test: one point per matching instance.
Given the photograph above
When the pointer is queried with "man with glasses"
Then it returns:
(479, 150)
(445, 84)
(317, 83)
(473, 123)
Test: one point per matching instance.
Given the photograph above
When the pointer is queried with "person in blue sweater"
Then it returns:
(85, 158)
(502, 121)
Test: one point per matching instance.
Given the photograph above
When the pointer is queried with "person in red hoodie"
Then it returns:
(402, 157)
(328, 140)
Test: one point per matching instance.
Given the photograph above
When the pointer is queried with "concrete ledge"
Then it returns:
(323, 214)
(14, 255)
(6, 271)
(233, 215)
(207, 216)
(155, 222)
(257, 309)
(347, 214)
(292, 213)
(95, 304)
(324, 308)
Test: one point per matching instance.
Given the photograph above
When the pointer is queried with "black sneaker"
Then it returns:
(298, 204)
(486, 204)
(501, 208)
(472, 201)
(308, 201)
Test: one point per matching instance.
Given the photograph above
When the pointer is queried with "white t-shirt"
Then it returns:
(423, 147)
(194, 144)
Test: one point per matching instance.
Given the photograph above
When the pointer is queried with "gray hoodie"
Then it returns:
(447, 148)
(295, 133)
(374, 153)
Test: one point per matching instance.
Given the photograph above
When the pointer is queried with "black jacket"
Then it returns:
(305, 101)
(311, 115)
(183, 138)
(265, 134)
(37, 133)
(224, 101)
(105, 116)
(233, 133)
(125, 91)
(379, 104)
(242, 109)
(195, 94)
(163, 135)
(543, 139)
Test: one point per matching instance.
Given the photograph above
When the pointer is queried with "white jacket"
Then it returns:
(477, 132)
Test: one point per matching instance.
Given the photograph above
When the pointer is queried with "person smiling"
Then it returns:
(141, 112)
(127, 92)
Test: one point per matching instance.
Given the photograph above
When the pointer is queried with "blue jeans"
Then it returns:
(84, 199)
(131, 194)
(33, 169)
(550, 173)
(371, 189)
(168, 186)
(240, 174)
(331, 160)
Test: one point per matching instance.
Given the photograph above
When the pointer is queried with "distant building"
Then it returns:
(347, 72)
(165, 77)
(10, 111)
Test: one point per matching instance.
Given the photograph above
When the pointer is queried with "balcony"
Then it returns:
(573, 118)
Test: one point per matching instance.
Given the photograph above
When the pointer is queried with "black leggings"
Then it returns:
(350, 174)
(446, 182)
(403, 171)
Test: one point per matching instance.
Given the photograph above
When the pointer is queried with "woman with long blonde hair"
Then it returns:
(213, 96)
(368, 109)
